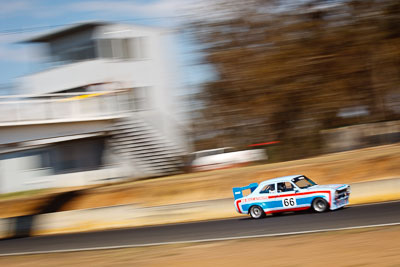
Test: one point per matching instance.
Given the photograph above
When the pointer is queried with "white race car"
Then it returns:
(289, 193)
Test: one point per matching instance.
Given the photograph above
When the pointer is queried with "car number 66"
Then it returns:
(289, 202)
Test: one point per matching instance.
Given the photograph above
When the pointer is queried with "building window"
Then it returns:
(78, 155)
(127, 49)
(140, 98)
(105, 48)
(80, 52)
(140, 47)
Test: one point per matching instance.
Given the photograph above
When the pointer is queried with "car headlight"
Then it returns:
(348, 190)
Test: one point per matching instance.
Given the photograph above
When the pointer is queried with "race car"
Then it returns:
(289, 193)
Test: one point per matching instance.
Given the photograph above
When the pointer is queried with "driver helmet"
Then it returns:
(282, 187)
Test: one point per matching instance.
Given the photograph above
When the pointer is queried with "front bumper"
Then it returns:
(338, 203)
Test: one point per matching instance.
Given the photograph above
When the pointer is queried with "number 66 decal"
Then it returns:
(289, 202)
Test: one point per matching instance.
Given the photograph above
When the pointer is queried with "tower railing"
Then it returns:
(65, 106)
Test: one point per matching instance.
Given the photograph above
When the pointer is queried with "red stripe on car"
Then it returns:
(237, 205)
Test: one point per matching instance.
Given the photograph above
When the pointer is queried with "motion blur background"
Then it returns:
(117, 113)
(95, 91)
(318, 76)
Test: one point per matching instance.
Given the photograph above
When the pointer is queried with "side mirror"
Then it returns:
(296, 190)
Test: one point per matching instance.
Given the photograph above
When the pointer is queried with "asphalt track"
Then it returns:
(290, 223)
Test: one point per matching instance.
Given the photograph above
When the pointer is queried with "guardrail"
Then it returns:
(65, 106)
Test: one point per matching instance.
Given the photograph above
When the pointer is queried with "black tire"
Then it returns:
(320, 205)
(256, 212)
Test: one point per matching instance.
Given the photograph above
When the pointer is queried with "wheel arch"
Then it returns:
(252, 205)
(326, 198)
(261, 210)
(327, 202)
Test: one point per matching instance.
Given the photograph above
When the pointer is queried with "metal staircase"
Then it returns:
(141, 145)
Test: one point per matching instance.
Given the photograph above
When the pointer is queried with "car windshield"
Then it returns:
(303, 182)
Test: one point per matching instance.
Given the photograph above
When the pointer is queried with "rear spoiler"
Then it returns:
(237, 191)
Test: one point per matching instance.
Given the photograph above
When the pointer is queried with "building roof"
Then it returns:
(74, 28)
(78, 27)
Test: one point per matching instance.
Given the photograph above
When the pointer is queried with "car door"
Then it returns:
(287, 195)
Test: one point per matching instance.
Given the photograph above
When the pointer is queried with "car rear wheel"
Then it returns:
(319, 205)
(256, 212)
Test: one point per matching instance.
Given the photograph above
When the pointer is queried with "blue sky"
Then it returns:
(24, 17)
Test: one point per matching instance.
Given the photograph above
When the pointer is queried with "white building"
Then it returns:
(103, 109)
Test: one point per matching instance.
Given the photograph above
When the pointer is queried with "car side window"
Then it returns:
(285, 187)
(268, 189)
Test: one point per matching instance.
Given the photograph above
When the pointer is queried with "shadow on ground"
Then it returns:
(22, 226)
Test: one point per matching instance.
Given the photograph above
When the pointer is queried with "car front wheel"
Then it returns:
(319, 205)
(256, 212)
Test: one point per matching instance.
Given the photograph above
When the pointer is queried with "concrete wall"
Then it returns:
(79, 74)
(23, 173)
